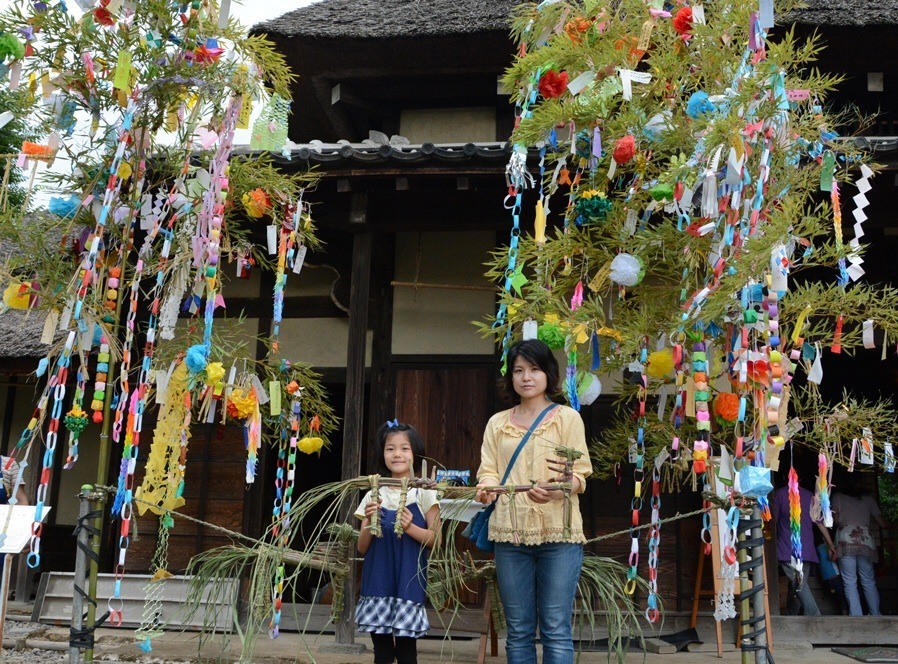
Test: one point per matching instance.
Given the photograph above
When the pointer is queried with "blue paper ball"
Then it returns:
(698, 105)
(64, 206)
(196, 358)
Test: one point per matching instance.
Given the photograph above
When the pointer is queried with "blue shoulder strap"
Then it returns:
(514, 457)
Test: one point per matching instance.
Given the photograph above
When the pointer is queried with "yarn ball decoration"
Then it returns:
(589, 388)
(551, 335)
(11, 47)
(660, 363)
(592, 206)
(624, 149)
(195, 358)
(627, 270)
(310, 444)
(682, 22)
(698, 105)
(552, 84)
(256, 203)
(726, 406)
(76, 420)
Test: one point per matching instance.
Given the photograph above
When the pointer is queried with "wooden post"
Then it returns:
(354, 411)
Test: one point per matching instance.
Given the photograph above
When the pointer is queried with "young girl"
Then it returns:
(394, 575)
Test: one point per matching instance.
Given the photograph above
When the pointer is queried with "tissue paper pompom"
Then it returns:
(662, 192)
(551, 335)
(552, 84)
(310, 444)
(589, 388)
(660, 363)
(64, 206)
(11, 47)
(241, 403)
(627, 270)
(196, 358)
(17, 295)
(726, 406)
(698, 105)
(624, 149)
(682, 21)
(214, 373)
(257, 203)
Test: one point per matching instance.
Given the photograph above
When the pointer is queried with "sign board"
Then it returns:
(15, 526)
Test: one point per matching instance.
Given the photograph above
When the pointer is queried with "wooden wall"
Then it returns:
(214, 492)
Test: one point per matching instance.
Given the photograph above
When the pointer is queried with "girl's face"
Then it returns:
(528, 379)
(398, 455)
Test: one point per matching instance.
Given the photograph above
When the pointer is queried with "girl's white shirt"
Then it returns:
(389, 497)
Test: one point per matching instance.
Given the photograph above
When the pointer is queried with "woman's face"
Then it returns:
(528, 379)
(398, 455)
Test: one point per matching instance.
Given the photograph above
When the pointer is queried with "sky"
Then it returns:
(249, 12)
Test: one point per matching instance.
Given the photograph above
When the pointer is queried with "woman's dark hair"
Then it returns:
(538, 354)
(386, 430)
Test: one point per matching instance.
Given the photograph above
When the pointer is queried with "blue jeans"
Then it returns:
(537, 585)
(805, 596)
(852, 568)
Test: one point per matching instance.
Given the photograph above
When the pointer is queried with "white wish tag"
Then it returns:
(300, 258)
(577, 86)
(868, 334)
(272, 236)
(530, 329)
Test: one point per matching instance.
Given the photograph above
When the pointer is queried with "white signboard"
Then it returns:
(15, 526)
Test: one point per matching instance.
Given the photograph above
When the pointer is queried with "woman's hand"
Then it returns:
(539, 495)
(833, 553)
(485, 497)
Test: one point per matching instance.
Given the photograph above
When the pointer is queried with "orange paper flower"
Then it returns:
(257, 203)
(726, 406)
(36, 151)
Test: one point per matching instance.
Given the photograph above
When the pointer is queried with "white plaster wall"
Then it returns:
(449, 125)
(321, 342)
(439, 322)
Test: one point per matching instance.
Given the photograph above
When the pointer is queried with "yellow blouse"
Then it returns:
(531, 522)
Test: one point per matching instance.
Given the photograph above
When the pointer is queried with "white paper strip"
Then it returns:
(868, 334)
(272, 236)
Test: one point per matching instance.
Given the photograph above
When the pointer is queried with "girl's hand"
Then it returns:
(371, 508)
(833, 554)
(405, 518)
(485, 497)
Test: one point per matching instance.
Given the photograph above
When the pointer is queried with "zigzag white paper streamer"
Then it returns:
(860, 201)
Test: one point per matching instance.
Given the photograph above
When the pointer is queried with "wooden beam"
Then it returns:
(382, 405)
(354, 410)
(295, 306)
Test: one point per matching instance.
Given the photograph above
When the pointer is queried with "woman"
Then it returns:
(537, 566)
(856, 549)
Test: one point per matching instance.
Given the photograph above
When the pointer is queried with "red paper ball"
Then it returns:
(682, 21)
(552, 84)
(624, 149)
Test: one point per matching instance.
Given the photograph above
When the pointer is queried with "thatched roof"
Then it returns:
(381, 19)
(848, 12)
(20, 334)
